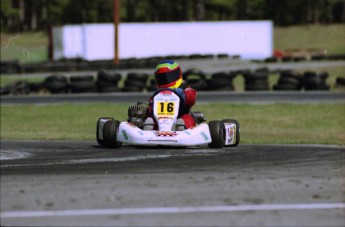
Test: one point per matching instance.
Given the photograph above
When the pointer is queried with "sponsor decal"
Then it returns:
(160, 133)
(140, 133)
(231, 133)
(204, 136)
(124, 134)
(187, 132)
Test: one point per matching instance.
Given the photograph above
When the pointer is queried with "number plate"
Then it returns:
(166, 108)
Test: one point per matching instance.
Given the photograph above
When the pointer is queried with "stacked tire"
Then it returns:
(82, 84)
(135, 82)
(196, 79)
(340, 82)
(289, 81)
(56, 84)
(152, 85)
(315, 81)
(257, 80)
(222, 81)
(16, 88)
(107, 82)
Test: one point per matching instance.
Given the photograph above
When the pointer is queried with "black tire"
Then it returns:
(83, 86)
(107, 86)
(57, 87)
(194, 72)
(286, 87)
(142, 77)
(257, 87)
(217, 131)
(198, 84)
(223, 75)
(132, 89)
(340, 81)
(35, 86)
(135, 83)
(108, 89)
(152, 85)
(54, 78)
(56, 84)
(101, 141)
(110, 130)
(220, 84)
(260, 75)
(107, 77)
(319, 87)
(238, 129)
(289, 80)
(5, 90)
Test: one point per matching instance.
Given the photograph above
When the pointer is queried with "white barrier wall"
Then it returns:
(249, 39)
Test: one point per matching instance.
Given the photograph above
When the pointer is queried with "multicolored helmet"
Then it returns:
(168, 74)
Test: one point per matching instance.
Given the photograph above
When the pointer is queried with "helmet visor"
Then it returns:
(167, 77)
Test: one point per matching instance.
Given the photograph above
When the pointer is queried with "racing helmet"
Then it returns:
(168, 74)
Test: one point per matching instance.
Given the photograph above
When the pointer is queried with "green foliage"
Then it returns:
(329, 38)
(26, 15)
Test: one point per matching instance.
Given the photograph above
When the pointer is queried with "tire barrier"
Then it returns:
(289, 81)
(315, 81)
(107, 82)
(196, 79)
(222, 81)
(56, 84)
(135, 82)
(82, 84)
(340, 82)
(152, 85)
(257, 80)
(17, 88)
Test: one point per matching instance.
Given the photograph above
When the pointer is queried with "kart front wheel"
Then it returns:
(110, 131)
(217, 131)
(233, 121)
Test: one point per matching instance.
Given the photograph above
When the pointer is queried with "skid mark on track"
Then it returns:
(10, 155)
(167, 210)
(16, 154)
(86, 161)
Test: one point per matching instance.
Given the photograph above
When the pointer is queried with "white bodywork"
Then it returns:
(130, 134)
(166, 107)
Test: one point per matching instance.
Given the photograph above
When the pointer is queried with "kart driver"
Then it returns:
(168, 74)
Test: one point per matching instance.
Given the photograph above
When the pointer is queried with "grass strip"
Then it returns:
(260, 124)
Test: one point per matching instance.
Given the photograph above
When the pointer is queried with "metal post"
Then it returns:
(116, 25)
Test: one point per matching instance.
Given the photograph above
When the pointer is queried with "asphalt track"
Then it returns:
(65, 183)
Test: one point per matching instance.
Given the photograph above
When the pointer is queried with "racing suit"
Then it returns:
(188, 98)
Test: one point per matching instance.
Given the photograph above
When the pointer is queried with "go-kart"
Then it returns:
(166, 105)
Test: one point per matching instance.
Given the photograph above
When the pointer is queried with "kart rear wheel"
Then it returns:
(110, 131)
(237, 130)
(217, 131)
(99, 129)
